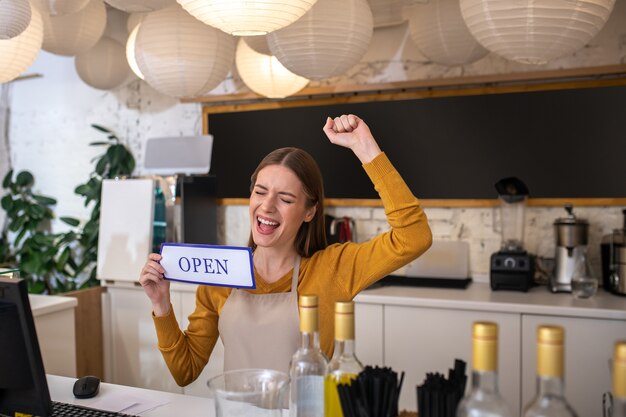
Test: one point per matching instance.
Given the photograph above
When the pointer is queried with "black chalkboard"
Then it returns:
(562, 144)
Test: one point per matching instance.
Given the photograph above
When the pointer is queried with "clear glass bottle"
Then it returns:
(618, 408)
(484, 399)
(344, 365)
(308, 365)
(584, 282)
(550, 399)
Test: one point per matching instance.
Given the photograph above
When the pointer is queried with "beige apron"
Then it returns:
(261, 330)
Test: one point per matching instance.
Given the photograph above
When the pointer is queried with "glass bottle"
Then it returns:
(308, 365)
(344, 365)
(619, 380)
(550, 399)
(159, 224)
(484, 399)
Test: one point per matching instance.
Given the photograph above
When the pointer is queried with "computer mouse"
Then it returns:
(86, 386)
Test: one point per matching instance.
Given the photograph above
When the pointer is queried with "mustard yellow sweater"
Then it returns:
(337, 273)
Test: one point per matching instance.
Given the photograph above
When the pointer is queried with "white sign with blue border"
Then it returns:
(226, 266)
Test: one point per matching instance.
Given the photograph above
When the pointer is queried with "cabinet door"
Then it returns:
(368, 333)
(135, 359)
(215, 366)
(425, 340)
(588, 351)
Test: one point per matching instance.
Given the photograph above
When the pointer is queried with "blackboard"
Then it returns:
(561, 144)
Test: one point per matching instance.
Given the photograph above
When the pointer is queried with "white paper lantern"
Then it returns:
(264, 75)
(14, 17)
(75, 33)
(181, 56)
(132, 6)
(130, 52)
(535, 31)
(327, 41)
(104, 66)
(438, 30)
(60, 7)
(247, 17)
(133, 20)
(18, 53)
(258, 44)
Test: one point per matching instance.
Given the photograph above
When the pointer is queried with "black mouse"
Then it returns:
(86, 386)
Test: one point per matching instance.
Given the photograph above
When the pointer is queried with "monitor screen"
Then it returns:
(23, 385)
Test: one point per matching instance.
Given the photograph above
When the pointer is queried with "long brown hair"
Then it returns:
(311, 236)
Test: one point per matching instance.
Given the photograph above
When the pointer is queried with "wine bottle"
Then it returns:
(308, 365)
(344, 365)
(550, 399)
(484, 399)
(619, 380)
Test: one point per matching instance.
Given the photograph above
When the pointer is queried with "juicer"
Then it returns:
(571, 235)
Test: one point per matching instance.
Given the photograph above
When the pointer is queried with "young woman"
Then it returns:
(260, 328)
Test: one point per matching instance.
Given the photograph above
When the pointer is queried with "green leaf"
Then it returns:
(6, 182)
(37, 212)
(101, 166)
(65, 255)
(70, 220)
(25, 179)
(101, 128)
(46, 201)
(6, 202)
(99, 143)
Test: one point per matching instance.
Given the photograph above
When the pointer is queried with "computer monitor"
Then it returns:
(23, 385)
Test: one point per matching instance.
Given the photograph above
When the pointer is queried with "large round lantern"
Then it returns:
(59, 7)
(181, 56)
(14, 17)
(247, 17)
(133, 6)
(18, 53)
(327, 41)
(438, 30)
(104, 66)
(264, 75)
(535, 31)
(75, 33)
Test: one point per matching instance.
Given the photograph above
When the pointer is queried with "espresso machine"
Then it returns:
(571, 235)
(512, 268)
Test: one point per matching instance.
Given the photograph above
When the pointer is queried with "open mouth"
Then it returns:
(266, 225)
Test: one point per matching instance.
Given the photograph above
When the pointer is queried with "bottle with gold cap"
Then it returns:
(344, 365)
(484, 399)
(550, 399)
(619, 380)
(308, 365)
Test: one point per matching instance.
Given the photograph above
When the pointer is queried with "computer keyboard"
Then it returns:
(73, 410)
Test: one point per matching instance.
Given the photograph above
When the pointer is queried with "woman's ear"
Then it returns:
(310, 213)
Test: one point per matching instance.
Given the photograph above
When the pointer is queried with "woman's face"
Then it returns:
(278, 206)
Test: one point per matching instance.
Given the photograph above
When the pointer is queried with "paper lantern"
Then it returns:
(327, 41)
(258, 44)
(104, 66)
(130, 52)
(133, 20)
(535, 31)
(438, 30)
(74, 33)
(388, 12)
(264, 75)
(18, 53)
(60, 7)
(14, 17)
(247, 17)
(132, 6)
(181, 56)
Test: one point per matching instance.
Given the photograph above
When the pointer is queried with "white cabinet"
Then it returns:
(428, 340)
(588, 352)
(368, 331)
(133, 356)
(56, 332)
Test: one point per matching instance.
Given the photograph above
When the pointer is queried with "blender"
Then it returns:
(512, 268)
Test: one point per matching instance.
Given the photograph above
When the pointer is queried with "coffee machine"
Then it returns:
(512, 268)
(613, 256)
(571, 247)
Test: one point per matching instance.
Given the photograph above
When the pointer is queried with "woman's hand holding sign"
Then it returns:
(155, 285)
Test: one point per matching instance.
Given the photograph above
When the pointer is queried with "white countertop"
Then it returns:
(480, 297)
(46, 304)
